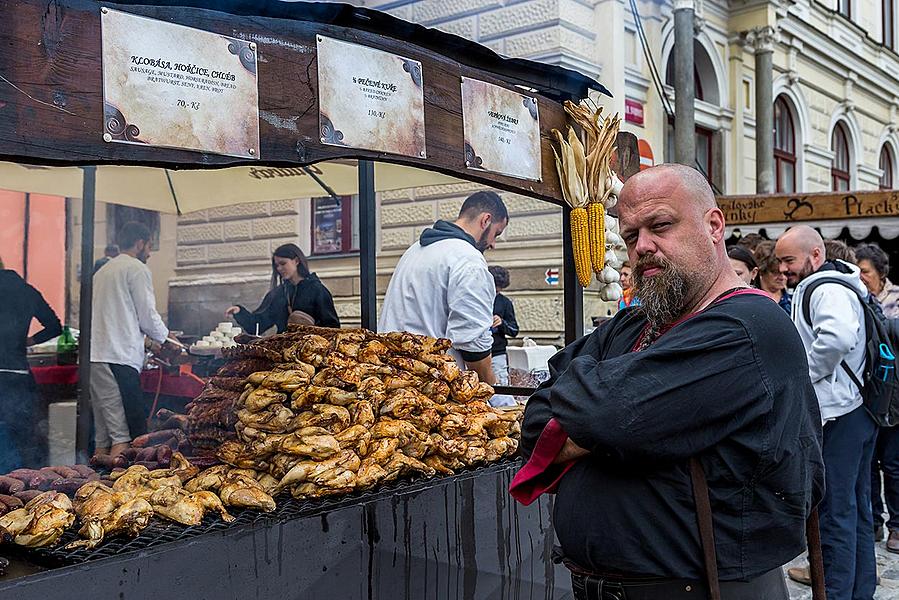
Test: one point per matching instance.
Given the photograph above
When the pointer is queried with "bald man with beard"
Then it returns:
(704, 369)
(833, 335)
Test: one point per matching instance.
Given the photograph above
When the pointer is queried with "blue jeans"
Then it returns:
(847, 528)
(886, 459)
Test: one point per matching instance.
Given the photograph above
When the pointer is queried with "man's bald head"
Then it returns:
(674, 233)
(803, 237)
(800, 252)
(673, 181)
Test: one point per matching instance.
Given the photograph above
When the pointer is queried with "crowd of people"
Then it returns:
(861, 460)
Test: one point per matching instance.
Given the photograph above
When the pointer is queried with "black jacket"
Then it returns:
(502, 307)
(310, 296)
(22, 303)
(729, 385)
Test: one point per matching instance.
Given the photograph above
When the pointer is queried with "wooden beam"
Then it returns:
(51, 95)
(787, 208)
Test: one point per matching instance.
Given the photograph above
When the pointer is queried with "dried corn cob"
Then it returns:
(580, 242)
(596, 221)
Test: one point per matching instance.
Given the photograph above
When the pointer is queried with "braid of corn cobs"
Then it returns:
(596, 221)
(580, 242)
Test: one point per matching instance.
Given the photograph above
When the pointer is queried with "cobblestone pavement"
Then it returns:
(887, 569)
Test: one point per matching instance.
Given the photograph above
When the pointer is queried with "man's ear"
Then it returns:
(715, 220)
(485, 220)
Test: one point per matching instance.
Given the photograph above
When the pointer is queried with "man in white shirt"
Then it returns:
(124, 312)
(831, 323)
(441, 287)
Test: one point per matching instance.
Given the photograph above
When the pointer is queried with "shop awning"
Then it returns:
(171, 191)
(859, 211)
(859, 229)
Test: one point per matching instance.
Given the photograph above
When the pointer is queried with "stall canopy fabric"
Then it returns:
(859, 229)
(171, 191)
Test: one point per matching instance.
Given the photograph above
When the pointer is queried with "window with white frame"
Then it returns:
(839, 170)
(784, 147)
(886, 167)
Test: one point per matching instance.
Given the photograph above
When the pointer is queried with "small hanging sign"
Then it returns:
(502, 130)
(370, 99)
(173, 86)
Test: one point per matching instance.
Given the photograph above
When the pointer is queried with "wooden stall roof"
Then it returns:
(51, 95)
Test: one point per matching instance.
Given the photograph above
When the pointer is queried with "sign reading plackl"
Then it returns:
(370, 99)
(502, 130)
(174, 86)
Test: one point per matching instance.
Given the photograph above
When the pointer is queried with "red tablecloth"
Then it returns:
(185, 385)
(56, 375)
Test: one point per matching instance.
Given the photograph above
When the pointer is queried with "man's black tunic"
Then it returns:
(730, 385)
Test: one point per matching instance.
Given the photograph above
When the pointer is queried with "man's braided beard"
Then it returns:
(664, 296)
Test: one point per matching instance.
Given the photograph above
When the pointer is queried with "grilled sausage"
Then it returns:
(28, 495)
(153, 438)
(23, 474)
(164, 455)
(84, 470)
(11, 501)
(68, 486)
(103, 461)
(11, 485)
(146, 454)
(42, 481)
(65, 472)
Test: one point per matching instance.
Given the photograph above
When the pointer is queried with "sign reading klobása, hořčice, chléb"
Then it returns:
(174, 86)
(370, 99)
(502, 130)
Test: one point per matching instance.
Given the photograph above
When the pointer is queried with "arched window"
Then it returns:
(839, 170)
(697, 81)
(784, 147)
(886, 168)
(708, 137)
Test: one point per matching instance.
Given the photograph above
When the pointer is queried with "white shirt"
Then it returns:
(837, 333)
(442, 290)
(124, 311)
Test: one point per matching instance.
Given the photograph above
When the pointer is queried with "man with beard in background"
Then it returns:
(706, 377)
(831, 322)
(441, 286)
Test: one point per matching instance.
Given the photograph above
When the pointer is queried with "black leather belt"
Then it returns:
(594, 587)
(769, 586)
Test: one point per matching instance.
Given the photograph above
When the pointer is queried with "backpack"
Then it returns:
(880, 381)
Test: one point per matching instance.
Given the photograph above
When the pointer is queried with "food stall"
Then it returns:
(91, 85)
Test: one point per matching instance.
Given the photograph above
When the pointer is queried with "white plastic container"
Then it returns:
(530, 356)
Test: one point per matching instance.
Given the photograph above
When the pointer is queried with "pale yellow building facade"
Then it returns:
(835, 70)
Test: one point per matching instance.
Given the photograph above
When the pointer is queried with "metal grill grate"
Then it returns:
(161, 531)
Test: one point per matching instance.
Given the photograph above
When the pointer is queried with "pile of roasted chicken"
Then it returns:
(315, 412)
(340, 410)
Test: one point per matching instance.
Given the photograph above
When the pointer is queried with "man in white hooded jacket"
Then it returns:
(833, 334)
(441, 287)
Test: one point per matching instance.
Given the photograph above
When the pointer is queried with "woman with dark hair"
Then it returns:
(744, 264)
(293, 290)
(874, 264)
(771, 280)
